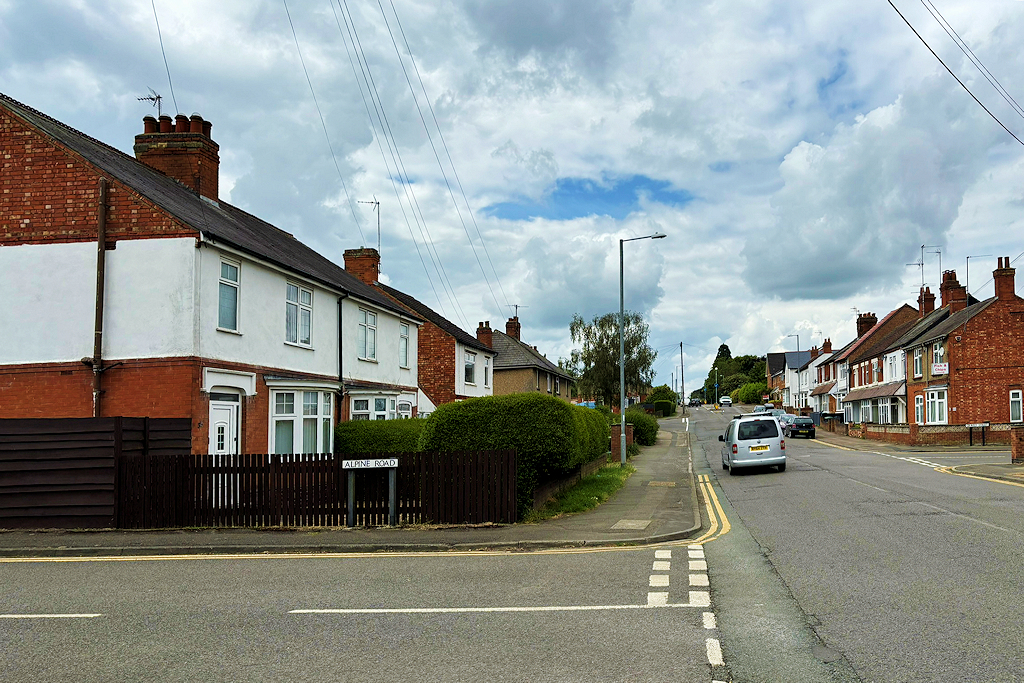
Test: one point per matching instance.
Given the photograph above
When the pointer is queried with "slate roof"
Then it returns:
(776, 363)
(514, 354)
(430, 315)
(216, 220)
(922, 327)
(891, 389)
(796, 359)
(877, 339)
(954, 321)
(823, 389)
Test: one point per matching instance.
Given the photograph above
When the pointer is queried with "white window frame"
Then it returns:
(367, 348)
(918, 364)
(558, 385)
(1016, 401)
(469, 366)
(938, 352)
(936, 406)
(310, 415)
(403, 345)
(234, 285)
(549, 382)
(919, 409)
(487, 371)
(302, 305)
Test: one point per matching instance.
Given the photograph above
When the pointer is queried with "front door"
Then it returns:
(223, 428)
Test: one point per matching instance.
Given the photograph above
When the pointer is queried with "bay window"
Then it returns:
(303, 422)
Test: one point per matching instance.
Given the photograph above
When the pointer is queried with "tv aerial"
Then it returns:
(155, 98)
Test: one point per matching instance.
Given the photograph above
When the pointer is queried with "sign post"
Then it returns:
(368, 464)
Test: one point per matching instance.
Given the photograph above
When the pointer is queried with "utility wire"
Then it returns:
(388, 137)
(426, 128)
(341, 176)
(162, 52)
(994, 118)
(951, 32)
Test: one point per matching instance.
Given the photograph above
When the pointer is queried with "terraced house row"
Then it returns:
(948, 374)
(128, 287)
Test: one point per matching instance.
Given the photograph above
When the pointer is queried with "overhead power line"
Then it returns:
(323, 123)
(962, 85)
(167, 68)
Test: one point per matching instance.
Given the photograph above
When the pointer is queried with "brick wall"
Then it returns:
(50, 194)
(1017, 445)
(435, 363)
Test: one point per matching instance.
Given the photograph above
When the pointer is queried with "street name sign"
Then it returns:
(978, 424)
(372, 463)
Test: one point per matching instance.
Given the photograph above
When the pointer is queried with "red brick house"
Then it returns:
(128, 287)
(453, 365)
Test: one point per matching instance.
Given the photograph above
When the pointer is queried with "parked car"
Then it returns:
(801, 426)
(752, 441)
(769, 406)
(695, 403)
(785, 419)
(759, 409)
(725, 401)
(777, 412)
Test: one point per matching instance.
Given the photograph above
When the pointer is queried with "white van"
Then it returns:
(753, 441)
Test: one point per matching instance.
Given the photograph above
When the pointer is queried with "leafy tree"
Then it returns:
(752, 393)
(663, 393)
(596, 364)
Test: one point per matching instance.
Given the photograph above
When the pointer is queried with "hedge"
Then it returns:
(666, 408)
(378, 436)
(645, 427)
(550, 436)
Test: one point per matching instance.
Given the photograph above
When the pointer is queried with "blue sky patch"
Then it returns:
(578, 197)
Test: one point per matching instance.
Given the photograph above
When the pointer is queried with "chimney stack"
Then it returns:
(182, 150)
(513, 328)
(815, 352)
(364, 263)
(484, 334)
(827, 346)
(925, 302)
(1003, 277)
(865, 321)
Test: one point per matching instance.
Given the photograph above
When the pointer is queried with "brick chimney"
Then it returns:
(865, 321)
(513, 328)
(815, 352)
(925, 302)
(827, 346)
(953, 293)
(182, 150)
(484, 334)
(364, 263)
(1003, 277)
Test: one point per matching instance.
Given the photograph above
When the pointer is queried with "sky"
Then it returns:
(797, 154)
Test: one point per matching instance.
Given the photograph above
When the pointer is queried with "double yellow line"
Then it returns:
(719, 522)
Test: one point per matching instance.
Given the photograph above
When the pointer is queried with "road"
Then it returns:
(861, 565)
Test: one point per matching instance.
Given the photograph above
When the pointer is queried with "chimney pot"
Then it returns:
(166, 125)
(364, 263)
(925, 302)
(484, 334)
(149, 125)
(1003, 277)
(513, 328)
(195, 124)
(181, 123)
(194, 164)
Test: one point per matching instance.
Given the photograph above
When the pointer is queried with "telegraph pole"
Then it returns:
(682, 386)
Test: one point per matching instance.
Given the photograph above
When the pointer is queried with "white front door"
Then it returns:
(223, 428)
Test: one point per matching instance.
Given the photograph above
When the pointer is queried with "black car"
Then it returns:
(800, 426)
(695, 402)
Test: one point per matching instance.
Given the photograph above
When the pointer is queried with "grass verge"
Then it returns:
(587, 494)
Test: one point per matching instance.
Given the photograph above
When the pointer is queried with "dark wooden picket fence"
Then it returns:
(255, 490)
(138, 473)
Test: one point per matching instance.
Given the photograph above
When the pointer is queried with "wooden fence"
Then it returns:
(138, 473)
(257, 490)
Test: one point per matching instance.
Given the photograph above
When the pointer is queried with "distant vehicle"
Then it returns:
(777, 412)
(725, 401)
(785, 419)
(760, 409)
(752, 441)
(802, 426)
(695, 403)
(769, 406)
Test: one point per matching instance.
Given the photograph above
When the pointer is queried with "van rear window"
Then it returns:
(757, 429)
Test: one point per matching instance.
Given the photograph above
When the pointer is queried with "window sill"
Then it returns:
(224, 329)
(470, 384)
(299, 346)
(368, 360)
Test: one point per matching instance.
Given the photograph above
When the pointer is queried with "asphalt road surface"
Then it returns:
(860, 565)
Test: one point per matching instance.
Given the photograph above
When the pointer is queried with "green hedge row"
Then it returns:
(378, 436)
(666, 408)
(550, 436)
(645, 427)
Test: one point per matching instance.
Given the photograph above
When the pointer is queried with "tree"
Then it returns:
(596, 364)
(663, 393)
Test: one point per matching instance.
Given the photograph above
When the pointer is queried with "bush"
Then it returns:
(666, 408)
(550, 436)
(751, 393)
(378, 436)
(645, 427)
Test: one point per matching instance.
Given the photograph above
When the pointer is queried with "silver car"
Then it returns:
(753, 441)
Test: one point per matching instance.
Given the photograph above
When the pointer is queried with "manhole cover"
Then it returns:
(631, 524)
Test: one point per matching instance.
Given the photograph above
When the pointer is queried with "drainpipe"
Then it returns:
(101, 245)
(341, 376)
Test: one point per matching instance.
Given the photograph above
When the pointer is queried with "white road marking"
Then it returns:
(709, 620)
(698, 566)
(968, 517)
(661, 566)
(659, 580)
(698, 580)
(663, 554)
(697, 554)
(696, 546)
(714, 652)
(697, 599)
(49, 616)
(657, 599)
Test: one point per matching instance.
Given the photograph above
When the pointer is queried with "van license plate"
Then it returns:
(758, 448)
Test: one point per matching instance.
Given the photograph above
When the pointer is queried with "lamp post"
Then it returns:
(967, 281)
(797, 341)
(622, 348)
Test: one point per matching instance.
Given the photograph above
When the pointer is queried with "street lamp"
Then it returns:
(797, 341)
(967, 281)
(622, 348)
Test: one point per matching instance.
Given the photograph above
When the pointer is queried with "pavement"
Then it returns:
(657, 504)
